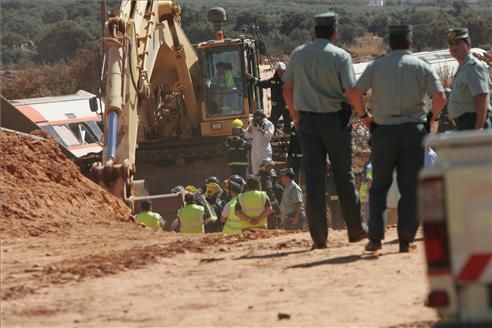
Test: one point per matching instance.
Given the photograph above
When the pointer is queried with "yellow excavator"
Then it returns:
(166, 97)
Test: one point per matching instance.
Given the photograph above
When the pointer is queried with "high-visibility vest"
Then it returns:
(252, 205)
(150, 219)
(364, 192)
(228, 81)
(364, 186)
(191, 218)
(234, 224)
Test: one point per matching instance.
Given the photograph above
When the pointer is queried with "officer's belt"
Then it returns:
(238, 163)
(335, 114)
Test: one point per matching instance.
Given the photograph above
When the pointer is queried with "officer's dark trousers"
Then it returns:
(400, 147)
(322, 134)
(275, 116)
(467, 122)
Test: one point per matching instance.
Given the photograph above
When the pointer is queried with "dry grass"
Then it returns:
(53, 79)
(446, 76)
(368, 47)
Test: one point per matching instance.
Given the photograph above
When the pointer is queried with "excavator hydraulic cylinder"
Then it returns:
(115, 69)
(112, 129)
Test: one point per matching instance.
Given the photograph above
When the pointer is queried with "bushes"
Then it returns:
(58, 32)
(53, 79)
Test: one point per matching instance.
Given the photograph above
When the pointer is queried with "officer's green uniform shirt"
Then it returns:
(290, 198)
(471, 80)
(399, 83)
(319, 72)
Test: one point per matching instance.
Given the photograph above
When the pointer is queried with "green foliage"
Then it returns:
(53, 15)
(25, 26)
(45, 31)
(62, 41)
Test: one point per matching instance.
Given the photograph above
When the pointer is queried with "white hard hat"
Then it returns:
(266, 161)
(280, 66)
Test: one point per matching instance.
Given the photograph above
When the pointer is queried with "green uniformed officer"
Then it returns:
(399, 83)
(469, 101)
(315, 82)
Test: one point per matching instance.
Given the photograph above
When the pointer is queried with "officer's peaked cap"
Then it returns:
(326, 19)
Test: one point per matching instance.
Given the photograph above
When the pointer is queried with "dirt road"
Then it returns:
(71, 257)
(124, 277)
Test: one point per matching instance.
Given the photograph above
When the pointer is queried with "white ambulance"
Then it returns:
(456, 208)
(68, 119)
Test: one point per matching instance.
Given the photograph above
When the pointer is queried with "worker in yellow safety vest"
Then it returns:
(148, 218)
(191, 216)
(253, 206)
(233, 223)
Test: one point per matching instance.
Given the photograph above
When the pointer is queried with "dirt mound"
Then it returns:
(44, 192)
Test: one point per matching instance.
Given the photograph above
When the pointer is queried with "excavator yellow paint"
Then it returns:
(164, 90)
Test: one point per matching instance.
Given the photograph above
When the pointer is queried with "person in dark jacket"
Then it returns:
(277, 187)
(266, 185)
(276, 85)
(238, 147)
(294, 155)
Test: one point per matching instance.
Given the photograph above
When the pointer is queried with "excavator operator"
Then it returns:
(224, 78)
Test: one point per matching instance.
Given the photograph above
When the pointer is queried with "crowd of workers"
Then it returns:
(317, 92)
(236, 204)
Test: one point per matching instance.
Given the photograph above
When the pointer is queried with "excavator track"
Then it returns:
(177, 152)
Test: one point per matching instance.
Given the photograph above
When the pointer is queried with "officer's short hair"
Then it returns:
(324, 32)
(400, 42)
(400, 36)
(252, 183)
(146, 205)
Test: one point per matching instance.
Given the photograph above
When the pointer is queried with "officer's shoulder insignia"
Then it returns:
(451, 35)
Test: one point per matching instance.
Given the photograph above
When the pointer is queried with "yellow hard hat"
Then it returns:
(237, 124)
(212, 189)
(191, 189)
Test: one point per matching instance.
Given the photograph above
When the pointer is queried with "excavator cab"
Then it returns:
(224, 83)
(226, 92)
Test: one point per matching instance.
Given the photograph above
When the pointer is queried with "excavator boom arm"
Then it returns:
(147, 52)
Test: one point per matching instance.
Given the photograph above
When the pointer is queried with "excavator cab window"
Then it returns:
(224, 83)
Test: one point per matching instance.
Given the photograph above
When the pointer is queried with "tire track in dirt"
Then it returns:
(110, 263)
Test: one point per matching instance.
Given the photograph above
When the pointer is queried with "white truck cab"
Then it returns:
(68, 119)
(456, 209)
